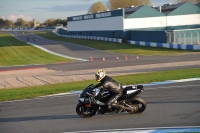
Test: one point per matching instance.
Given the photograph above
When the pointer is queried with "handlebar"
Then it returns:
(90, 85)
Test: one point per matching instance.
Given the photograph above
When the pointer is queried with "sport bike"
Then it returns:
(88, 106)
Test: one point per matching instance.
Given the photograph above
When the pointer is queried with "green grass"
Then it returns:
(123, 48)
(32, 92)
(15, 52)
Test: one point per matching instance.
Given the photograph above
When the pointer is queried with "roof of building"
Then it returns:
(167, 8)
(198, 4)
(131, 9)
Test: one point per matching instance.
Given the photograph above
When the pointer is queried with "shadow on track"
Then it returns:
(175, 102)
(36, 118)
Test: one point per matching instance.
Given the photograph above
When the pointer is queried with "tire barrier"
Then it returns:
(166, 45)
(90, 37)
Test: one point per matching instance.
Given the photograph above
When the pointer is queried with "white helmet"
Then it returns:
(100, 74)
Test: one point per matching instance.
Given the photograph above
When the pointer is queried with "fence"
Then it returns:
(89, 37)
(190, 36)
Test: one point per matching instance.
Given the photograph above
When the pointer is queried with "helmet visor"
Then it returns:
(97, 77)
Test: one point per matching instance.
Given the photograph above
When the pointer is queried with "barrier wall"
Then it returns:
(149, 36)
(190, 36)
(90, 37)
(150, 44)
(166, 45)
(102, 33)
(109, 34)
(86, 33)
(12, 29)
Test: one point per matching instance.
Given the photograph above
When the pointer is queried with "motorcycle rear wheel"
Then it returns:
(138, 104)
(84, 111)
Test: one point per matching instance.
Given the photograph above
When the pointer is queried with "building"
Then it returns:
(138, 23)
(35, 24)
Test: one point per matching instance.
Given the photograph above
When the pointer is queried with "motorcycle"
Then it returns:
(88, 106)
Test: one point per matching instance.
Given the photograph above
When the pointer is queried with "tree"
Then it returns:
(114, 4)
(61, 21)
(191, 1)
(9, 23)
(98, 6)
(2, 22)
(27, 24)
(54, 22)
(50, 22)
(31, 23)
(20, 22)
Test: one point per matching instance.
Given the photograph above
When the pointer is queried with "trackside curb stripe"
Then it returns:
(166, 45)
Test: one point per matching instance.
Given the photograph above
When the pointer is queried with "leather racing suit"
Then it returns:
(114, 88)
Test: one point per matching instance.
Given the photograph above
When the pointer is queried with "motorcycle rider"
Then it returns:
(114, 88)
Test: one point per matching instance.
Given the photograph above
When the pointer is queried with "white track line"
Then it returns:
(51, 52)
(145, 130)
(54, 53)
(78, 92)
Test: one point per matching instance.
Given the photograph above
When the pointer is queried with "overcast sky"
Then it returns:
(42, 10)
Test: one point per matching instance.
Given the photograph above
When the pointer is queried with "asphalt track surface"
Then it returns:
(167, 105)
(171, 105)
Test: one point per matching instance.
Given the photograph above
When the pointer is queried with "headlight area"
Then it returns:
(84, 100)
(81, 99)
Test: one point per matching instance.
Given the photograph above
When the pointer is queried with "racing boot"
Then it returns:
(110, 109)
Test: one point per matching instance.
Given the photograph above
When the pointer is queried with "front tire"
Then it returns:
(138, 104)
(84, 111)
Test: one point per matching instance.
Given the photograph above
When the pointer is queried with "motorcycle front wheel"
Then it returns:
(138, 105)
(84, 111)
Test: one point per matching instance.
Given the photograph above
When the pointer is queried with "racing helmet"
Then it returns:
(100, 74)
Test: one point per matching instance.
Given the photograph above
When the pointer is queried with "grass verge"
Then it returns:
(123, 48)
(15, 52)
(32, 92)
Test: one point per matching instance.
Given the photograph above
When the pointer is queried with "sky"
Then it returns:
(42, 10)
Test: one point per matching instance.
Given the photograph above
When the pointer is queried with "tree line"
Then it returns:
(20, 22)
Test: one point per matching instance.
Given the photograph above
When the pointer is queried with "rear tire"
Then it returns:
(84, 111)
(138, 104)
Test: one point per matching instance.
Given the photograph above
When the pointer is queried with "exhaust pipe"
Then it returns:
(127, 108)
